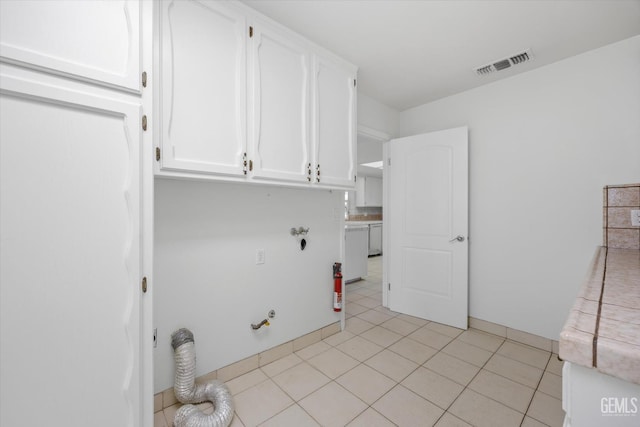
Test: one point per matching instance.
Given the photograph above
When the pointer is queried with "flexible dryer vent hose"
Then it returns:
(187, 391)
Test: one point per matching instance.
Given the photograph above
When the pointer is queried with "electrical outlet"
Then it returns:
(635, 217)
(260, 256)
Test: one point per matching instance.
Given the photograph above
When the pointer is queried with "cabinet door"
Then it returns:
(70, 256)
(369, 191)
(203, 87)
(280, 99)
(334, 124)
(373, 191)
(88, 40)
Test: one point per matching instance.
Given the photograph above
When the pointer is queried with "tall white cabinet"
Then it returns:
(75, 219)
(246, 99)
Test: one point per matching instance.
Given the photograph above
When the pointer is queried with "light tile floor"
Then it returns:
(391, 369)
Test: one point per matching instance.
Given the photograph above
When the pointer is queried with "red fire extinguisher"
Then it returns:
(337, 286)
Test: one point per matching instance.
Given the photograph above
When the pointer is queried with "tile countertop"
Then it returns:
(603, 327)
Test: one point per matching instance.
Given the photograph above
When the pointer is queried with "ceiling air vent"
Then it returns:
(505, 63)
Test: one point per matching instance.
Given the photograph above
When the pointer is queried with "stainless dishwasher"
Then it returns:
(375, 239)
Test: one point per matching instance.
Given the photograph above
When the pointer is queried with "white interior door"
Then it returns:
(426, 212)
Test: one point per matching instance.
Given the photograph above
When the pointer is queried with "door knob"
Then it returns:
(458, 238)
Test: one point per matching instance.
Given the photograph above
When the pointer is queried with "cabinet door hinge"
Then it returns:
(144, 122)
(250, 31)
(244, 163)
(309, 172)
(144, 79)
(144, 285)
(158, 154)
(318, 173)
(389, 286)
(354, 82)
(355, 178)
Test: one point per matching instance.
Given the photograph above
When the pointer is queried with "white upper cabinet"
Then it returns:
(334, 123)
(242, 98)
(203, 87)
(369, 191)
(279, 119)
(86, 40)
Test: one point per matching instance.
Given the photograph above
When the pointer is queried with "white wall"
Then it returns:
(375, 115)
(542, 145)
(206, 278)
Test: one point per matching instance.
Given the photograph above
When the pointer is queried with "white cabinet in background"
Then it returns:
(245, 99)
(334, 120)
(375, 239)
(369, 191)
(279, 116)
(356, 248)
(202, 88)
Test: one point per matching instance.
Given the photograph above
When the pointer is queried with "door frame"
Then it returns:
(384, 138)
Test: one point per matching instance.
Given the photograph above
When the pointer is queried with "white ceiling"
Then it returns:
(416, 51)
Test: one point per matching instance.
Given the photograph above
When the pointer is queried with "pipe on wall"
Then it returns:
(188, 392)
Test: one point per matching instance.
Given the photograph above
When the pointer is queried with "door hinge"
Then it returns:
(144, 79)
(354, 82)
(309, 172)
(144, 122)
(250, 31)
(318, 173)
(355, 178)
(388, 286)
(246, 162)
(144, 285)
(158, 154)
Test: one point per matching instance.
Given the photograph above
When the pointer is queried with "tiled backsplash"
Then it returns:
(618, 202)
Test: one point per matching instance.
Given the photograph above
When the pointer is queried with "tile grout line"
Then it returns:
(595, 334)
(535, 390)
(467, 386)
